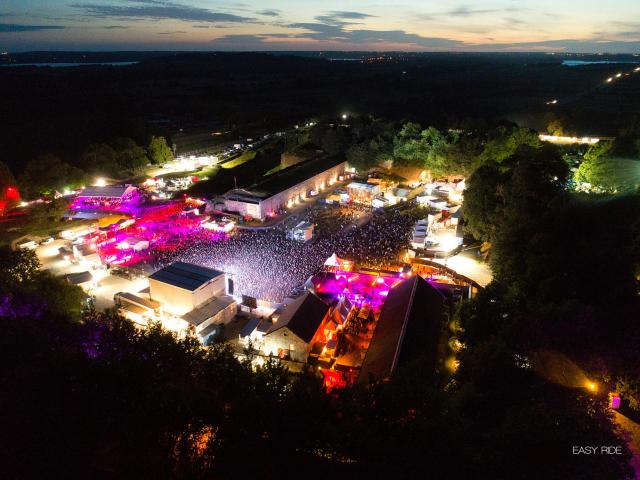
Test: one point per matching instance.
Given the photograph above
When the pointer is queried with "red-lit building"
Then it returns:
(9, 198)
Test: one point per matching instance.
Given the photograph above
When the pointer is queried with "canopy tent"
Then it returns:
(332, 261)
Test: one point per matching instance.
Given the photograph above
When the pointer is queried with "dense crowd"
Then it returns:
(266, 265)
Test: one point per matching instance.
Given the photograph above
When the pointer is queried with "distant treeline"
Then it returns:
(62, 111)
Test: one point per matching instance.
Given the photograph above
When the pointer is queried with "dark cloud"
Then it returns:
(564, 45)
(15, 28)
(269, 12)
(336, 32)
(151, 2)
(635, 33)
(402, 37)
(342, 18)
(374, 39)
(513, 21)
(331, 34)
(174, 32)
(464, 11)
(114, 27)
(321, 31)
(158, 9)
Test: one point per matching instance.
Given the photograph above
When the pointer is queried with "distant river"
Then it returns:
(578, 63)
(62, 65)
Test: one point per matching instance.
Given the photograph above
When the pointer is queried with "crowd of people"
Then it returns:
(266, 265)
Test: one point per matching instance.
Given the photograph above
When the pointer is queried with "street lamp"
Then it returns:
(344, 116)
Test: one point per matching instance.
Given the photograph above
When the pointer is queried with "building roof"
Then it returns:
(135, 299)
(284, 179)
(138, 310)
(111, 191)
(343, 309)
(86, 214)
(264, 326)
(363, 186)
(302, 317)
(249, 328)
(408, 327)
(209, 330)
(210, 309)
(185, 275)
(304, 225)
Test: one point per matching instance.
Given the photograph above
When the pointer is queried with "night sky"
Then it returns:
(416, 25)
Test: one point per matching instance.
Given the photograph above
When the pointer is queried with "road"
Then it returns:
(104, 286)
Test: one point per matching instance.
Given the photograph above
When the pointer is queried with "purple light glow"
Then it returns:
(164, 227)
(360, 288)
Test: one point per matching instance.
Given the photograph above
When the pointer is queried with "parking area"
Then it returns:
(104, 285)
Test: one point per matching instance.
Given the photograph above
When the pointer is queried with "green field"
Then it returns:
(244, 158)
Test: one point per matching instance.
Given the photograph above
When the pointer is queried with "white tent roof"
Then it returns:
(332, 261)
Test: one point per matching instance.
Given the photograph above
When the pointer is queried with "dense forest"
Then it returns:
(88, 394)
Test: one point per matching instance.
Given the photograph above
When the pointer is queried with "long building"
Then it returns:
(408, 328)
(284, 189)
(291, 334)
(182, 287)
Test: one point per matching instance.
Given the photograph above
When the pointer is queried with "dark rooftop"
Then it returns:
(185, 275)
(210, 309)
(407, 328)
(302, 317)
(109, 191)
(251, 325)
(287, 178)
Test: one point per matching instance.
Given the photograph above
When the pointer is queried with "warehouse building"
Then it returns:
(408, 328)
(207, 318)
(110, 192)
(291, 334)
(286, 188)
(182, 287)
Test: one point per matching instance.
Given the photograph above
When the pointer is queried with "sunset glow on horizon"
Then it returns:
(414, 25)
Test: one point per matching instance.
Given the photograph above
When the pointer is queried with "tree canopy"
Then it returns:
(6, 177)
(442, 153)
(25, 289)
(130, 156)
(101, 160)
(158, 150)
(47, 175)
(103, 397)
(504, 141)
(565, 266)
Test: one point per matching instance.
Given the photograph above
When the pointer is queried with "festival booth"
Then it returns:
(334, 263)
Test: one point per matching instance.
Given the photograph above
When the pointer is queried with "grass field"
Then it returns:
(244, 158)
(273, 170)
